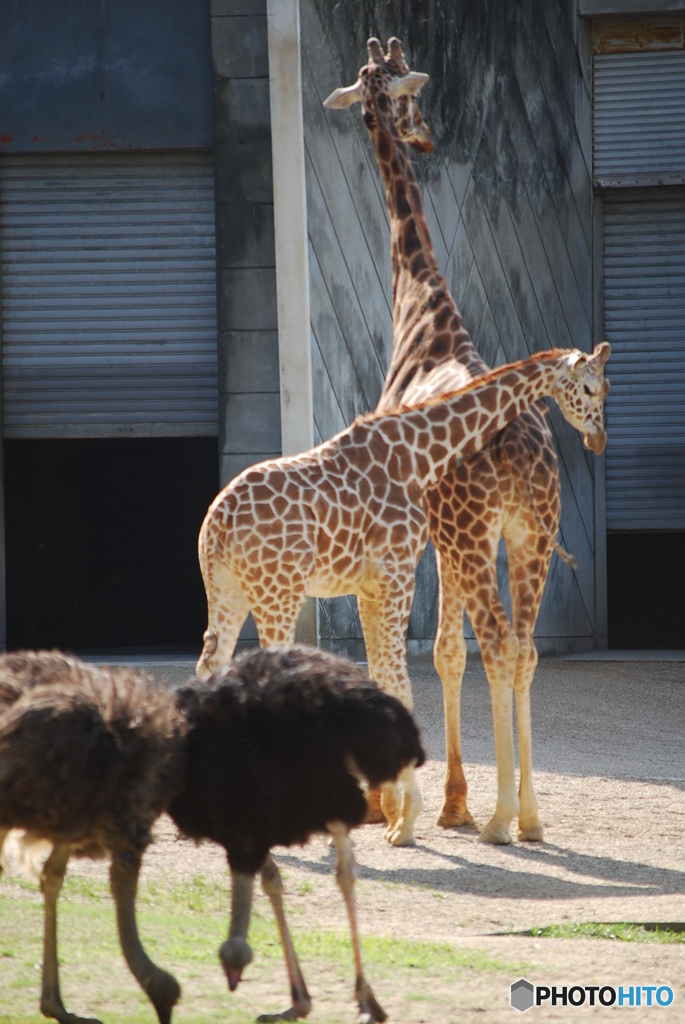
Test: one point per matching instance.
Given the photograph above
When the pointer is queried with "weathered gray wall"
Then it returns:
(508, 199)
(116, 74)
(249, 404)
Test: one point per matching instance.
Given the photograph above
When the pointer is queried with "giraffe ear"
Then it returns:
(576, 360)
(602, 352)
(344, 97)
(410, 84)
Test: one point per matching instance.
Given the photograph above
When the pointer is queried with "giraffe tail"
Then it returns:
(565, 556)
(526, 486)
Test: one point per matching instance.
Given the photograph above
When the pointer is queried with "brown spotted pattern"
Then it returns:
(348, 517)
(510, 489)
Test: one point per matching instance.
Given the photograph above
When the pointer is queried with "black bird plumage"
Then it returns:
(287, 735)
(269, 751)
(299, 728)
(89, 758)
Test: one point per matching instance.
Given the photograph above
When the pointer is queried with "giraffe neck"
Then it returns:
(439, 435)
(413, 257)
(427, 326)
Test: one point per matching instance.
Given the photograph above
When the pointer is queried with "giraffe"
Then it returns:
(510, 489)
(347, 517)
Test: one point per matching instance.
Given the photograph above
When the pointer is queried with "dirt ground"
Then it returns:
(609, 759)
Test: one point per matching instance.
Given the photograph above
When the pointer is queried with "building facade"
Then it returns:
(195, 275)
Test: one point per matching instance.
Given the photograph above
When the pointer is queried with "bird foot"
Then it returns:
(370, 1010)
(297, 1011)
(55, 1009)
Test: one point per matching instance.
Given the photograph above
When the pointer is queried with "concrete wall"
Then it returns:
(249, 416)
(507, 193)
(118, 74)
(508, 199)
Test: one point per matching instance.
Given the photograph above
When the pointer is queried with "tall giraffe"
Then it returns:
(347, 517)
(509, 489)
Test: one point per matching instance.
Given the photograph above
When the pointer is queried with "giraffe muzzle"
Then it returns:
(596, 441)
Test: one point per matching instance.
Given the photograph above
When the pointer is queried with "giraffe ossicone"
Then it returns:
(344, 518)
(510, 489)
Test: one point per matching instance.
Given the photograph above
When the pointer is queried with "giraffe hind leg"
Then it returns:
(527, 576)
(227, 609)
(385, 620)
(449, 656)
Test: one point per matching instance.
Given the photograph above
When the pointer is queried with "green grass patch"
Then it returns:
(621, 931)
(182, 925)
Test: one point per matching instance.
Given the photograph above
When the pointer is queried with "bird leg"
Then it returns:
(272, 885)
(51, 882)
(4, 832)
(161, 988)
(235, 954)
(345, 874)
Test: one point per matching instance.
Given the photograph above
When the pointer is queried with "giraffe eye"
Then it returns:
(587, 389)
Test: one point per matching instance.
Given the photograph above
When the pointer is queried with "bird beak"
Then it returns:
(233, 977)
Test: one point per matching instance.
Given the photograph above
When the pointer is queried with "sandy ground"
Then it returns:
(609, 758)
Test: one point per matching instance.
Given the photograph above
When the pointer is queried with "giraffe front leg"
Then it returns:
(375, 815)
(401, 831)
(530, 827)
(449, 656)
(499, 650)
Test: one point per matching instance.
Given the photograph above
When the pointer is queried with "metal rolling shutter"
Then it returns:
(638, 118)
(108, 296)
(644, 287)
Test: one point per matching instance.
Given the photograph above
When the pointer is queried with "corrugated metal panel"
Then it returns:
(638, 118)
(108, 296)
(644, 304)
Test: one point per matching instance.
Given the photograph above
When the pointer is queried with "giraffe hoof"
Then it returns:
(494, 835)
(374, 816)
(455, 819)
(401, 835)
(532, 834)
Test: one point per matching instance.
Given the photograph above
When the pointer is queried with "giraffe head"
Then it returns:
(386, 79)
(581, 393)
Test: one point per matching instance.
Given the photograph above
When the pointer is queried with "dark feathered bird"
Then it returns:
(89, 758)
(277, 747)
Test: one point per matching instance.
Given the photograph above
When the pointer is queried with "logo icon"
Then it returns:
(522, 995)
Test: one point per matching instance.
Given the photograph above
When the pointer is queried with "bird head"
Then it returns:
(235, 954)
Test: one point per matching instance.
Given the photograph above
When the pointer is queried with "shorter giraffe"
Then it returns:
(346, 518)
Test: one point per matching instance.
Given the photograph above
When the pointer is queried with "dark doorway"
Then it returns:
(101, 542)
(646, 590)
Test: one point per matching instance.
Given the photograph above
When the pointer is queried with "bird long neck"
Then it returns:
(427, 326)
(435, 437)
